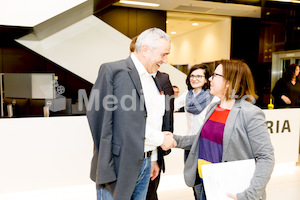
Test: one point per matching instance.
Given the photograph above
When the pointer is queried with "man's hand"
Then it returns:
(154, 170)
(168, 133)
(168, 142)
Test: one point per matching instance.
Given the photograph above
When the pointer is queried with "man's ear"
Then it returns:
(144, 49)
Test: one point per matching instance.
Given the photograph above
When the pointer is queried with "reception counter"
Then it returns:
(283, 126)
(43, 153)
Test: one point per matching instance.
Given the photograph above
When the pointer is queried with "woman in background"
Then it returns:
(234, 129)
(195, 102)
(287, 89)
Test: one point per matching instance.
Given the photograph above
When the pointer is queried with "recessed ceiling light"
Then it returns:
(173, 32)
(289, 1)
(140, 3)
(195, 24)
(166, 21)
(283, 0)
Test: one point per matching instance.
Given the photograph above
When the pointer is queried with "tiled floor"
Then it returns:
(284, 184)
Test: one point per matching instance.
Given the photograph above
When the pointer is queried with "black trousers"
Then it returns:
(152, 189)
(153, 185)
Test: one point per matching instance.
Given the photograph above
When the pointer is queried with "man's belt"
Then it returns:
(147, 154)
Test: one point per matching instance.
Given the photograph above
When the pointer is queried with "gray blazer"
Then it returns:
(245, 137)
(118, 134)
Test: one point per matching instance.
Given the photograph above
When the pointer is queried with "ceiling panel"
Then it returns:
(192, 9)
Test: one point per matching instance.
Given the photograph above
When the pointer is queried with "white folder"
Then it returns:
(228, 177)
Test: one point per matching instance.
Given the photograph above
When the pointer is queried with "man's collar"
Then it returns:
(139, 66)
(153, 74)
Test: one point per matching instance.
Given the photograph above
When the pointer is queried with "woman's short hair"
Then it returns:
(240, 82)
(290, 71)
(151, 38)
(207, 74)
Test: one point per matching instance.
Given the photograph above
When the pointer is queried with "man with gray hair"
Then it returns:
(126, 129)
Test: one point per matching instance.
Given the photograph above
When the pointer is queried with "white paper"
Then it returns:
(228, 177)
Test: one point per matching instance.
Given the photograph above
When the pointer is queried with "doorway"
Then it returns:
(280, 60)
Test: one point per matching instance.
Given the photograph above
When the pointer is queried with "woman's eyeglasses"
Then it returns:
(196, 76)
(216, 74)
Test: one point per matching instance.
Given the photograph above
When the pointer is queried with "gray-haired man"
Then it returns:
(127, 128)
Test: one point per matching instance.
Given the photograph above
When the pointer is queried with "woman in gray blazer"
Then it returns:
(234, 129)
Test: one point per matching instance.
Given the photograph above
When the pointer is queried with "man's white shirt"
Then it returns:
(155, 106)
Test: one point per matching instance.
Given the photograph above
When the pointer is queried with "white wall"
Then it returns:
(176, 77)
(82, 47)
(206, 44)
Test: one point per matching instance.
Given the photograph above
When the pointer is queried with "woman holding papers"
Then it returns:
(233, 129)
(195, 102)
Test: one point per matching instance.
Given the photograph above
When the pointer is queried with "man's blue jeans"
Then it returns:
(141, 186)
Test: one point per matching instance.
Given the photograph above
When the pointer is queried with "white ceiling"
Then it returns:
(29, 13)
(181, 23)
(203, 7)
(182, 13)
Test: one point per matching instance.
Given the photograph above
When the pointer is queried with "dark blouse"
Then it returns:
(285, 87)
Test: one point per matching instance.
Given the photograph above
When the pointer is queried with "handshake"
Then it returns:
(168, 142)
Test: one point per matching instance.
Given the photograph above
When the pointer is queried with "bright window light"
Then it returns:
(140, 3)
